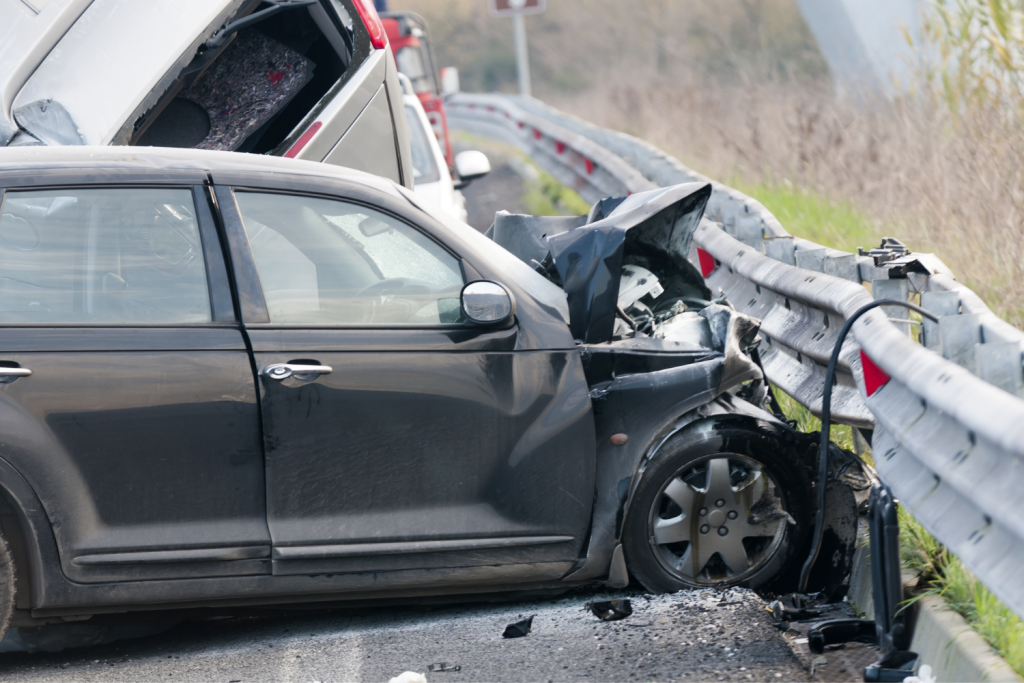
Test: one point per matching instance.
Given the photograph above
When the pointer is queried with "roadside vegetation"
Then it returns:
(737, 90)
(545, 196)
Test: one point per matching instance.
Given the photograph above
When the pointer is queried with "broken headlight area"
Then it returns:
(636, 303)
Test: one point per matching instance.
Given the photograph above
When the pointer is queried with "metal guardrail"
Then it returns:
(947, 413)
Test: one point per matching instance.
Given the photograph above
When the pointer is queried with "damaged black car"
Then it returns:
(234, 380)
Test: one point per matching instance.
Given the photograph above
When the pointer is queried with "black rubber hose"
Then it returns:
(826, 424)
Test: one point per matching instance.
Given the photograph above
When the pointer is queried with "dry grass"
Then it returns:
(954, 186)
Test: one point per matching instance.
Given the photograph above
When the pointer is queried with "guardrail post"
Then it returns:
(729, 213)
(961, 335)
(844, 266)
(898, 290)
(750, 231)
(811, 259)
(1000, 364)
(941, 304)
(781, 249)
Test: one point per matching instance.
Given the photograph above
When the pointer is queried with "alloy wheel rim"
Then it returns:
(717, 520)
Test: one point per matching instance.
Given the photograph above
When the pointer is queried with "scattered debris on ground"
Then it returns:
(611, 610)
(800, 622)
(701, 635)
(518, 629)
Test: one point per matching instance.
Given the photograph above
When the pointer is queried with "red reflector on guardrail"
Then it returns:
(559, 146)
(874, 376)
(590, 166)
(707, 262)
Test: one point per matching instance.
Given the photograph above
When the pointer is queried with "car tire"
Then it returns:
(7, 585)
(724, 503)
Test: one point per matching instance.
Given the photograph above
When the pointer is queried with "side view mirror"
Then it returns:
(450, 81)
(487, 303)
(469, 166)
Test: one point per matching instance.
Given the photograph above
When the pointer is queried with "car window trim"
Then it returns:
(250, 266)
(222, 305)
(251, 302)
(359, 202)
(214, 322)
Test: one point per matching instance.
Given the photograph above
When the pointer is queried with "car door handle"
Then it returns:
(8, 375)
(281, 371)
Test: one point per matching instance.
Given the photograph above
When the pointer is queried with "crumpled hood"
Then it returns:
(585, 254)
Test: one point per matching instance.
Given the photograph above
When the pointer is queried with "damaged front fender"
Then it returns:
(642, 406)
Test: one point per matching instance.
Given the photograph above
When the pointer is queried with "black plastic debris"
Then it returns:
(445, 666)
(611, 610)
(836, 631)
(798, 607)
(518, 629)
(888, 630)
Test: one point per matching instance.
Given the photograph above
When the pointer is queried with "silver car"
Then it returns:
(310, 79)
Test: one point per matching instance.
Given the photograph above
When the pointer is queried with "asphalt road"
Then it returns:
(689, 636)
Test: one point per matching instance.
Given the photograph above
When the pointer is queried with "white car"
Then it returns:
(432, 180)
(310, 79)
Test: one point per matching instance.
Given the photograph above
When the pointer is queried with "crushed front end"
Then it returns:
(664, 359)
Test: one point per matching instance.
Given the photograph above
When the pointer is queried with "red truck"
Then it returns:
(410, 42)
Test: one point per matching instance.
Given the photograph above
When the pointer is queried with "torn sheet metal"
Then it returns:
(26, 37)
(49, 122)
(585, 255)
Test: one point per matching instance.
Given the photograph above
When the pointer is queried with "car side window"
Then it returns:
(322, 261)
(121, 256)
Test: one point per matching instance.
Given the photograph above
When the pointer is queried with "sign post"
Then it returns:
(517, 9)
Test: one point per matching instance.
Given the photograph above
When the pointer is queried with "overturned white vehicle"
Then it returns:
(307, 79)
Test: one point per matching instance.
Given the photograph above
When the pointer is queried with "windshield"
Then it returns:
(424, 166)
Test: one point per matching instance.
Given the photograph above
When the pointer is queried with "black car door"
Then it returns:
(127, 398)
(396, 437)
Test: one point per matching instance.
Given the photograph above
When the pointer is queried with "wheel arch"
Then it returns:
(726, 410)
(29, 534)
(649, 408)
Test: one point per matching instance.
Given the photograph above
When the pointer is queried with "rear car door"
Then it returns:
(396, 437)
(127, 398)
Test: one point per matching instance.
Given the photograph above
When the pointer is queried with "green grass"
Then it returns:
(947, 576)
(841, 435)
(835, 224)
(548, 197)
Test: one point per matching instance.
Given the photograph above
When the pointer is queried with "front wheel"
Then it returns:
(723, 504)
